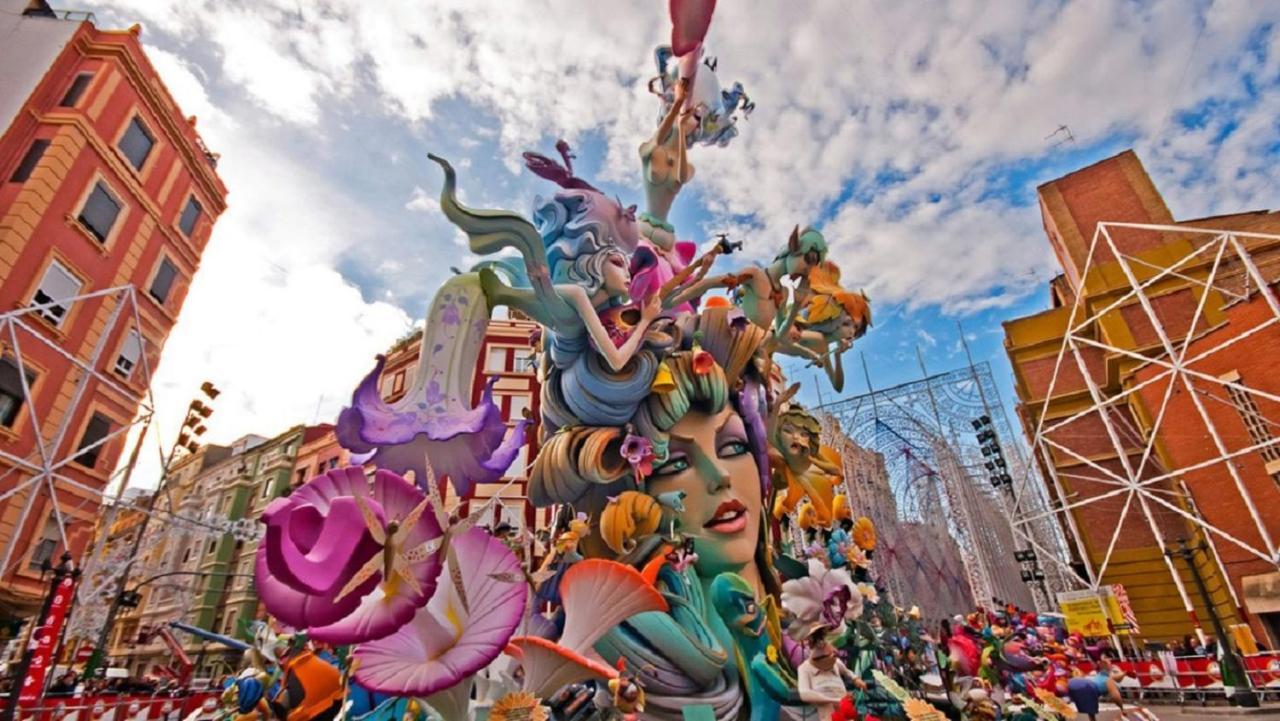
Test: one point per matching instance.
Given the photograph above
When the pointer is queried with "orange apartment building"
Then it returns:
(1243, 587)
(103, 183)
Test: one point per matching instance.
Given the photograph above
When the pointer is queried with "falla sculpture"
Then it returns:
(672, 586)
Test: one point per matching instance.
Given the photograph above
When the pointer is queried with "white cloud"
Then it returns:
(422, 201)
(267, 318)
(848, 95)
(926, 337)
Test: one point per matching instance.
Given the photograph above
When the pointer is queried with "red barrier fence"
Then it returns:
(1198, 673)
(1264, 669)
(114, 707)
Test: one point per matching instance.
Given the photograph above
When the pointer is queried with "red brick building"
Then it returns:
(1126, 361)
(103, 184)
(508, 356)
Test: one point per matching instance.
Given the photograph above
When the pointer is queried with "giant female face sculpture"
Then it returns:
(709, 460)
(704, 422)
(701, 411)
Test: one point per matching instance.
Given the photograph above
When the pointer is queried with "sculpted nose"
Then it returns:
(716, 476)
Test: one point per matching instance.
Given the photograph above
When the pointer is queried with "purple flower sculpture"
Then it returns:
(468, 445)
(346, 559)
(638, 452)
(827, 597)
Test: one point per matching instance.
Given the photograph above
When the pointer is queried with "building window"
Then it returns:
(100, 212)
(29, 161)
(136, 143)
(397, 383)
(186, 556)
(522, 360)
(57, 287)
(333, 463)
(302, 476)
(213, 545)
(190, 216)
(266, 488)
(11, 396)
(76, 91)
(519, 405)
(130, 352)
(518, 468)
(92, 441)
(1258, 426)
(46, 546)
(163, 282)
(496, 360)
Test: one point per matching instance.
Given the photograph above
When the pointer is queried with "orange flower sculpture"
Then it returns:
(840, 508)
(518, 706)
(864, 534)
(918, 710)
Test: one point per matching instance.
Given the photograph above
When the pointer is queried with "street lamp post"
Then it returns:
(192, 426)
(1243, 694)
(64, 569)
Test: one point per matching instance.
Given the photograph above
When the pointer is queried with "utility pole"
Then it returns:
(192, 427)
(1243, 695)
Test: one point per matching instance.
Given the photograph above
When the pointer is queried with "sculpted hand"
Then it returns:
(652, 308)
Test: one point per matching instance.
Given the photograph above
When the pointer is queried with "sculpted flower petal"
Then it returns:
(327, 536)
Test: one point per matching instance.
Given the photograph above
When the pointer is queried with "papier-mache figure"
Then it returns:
(802, 466)
(693, 111)
(830, 320)
(663, 444)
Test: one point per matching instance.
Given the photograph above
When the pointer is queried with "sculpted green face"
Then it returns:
(710, 461)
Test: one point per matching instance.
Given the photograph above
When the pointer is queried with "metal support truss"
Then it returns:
(924, 432)
(44, 471)
(1142, 480)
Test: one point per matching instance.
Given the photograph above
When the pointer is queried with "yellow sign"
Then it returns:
(1087, 612)
(1114, 613)
(1083, 613)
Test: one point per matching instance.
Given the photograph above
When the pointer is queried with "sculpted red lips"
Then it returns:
(731, 517)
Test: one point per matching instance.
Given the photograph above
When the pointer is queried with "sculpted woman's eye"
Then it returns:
(672, 467)
(733, 448)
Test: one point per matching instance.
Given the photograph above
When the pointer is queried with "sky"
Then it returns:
(912, 133)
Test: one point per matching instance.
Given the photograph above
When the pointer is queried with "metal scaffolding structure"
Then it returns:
(924, 431)
(43, 472)
(1141, 481)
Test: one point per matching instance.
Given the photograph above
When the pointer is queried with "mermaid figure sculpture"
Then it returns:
(759, 290)
(694, 111)
(576, 263)
(828, 324)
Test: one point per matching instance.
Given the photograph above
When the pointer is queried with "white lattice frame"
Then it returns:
(46, 467)
(1174, 365)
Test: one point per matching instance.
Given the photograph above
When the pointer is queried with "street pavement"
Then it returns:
(1192, 713)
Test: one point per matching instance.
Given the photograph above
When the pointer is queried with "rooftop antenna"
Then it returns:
(1065, 133)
